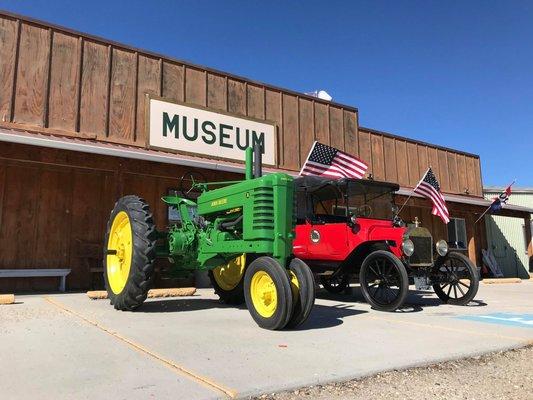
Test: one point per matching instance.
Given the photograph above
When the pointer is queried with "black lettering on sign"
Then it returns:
(238, 131)
(169, 126)
(212, 137)
(225, 136)
(186, 135)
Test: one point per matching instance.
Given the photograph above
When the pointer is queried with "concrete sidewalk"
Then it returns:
(67, 346)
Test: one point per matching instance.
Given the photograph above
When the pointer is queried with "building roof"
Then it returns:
(515, 189)
(133, 152)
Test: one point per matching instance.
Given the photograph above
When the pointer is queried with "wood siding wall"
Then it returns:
(54, 80)
(64, 82)
(54, 202)
(396, 159)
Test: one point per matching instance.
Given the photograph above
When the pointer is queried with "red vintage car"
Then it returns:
(351, 227)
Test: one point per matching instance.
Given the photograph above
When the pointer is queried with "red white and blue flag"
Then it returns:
(501, 200)
(330, 162)
(429, 187)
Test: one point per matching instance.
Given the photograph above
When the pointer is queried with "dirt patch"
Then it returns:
(501, 375)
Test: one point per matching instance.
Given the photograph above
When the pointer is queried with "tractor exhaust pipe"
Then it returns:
(258, 161)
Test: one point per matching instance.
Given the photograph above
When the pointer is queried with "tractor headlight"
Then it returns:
(408, 247)
(442, 248)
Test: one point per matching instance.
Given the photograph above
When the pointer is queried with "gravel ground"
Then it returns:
(501, 375)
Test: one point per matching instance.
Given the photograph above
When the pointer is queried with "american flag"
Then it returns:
(328, 161)
(501, 200)
(429, 187)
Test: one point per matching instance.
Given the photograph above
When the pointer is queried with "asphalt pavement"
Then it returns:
(64, 346)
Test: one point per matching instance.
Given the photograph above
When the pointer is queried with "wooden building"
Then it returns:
(74, 136)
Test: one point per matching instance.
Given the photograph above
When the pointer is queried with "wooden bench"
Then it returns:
(35, 273)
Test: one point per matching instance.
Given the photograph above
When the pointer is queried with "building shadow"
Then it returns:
(510, 263)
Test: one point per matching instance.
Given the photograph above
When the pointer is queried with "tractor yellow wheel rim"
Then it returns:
(264, 294)
(295, 286)
(119, 249)
(229, 275)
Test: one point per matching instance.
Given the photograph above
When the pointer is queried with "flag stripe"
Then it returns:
(331, 162)
(429, 188)
(435, 198)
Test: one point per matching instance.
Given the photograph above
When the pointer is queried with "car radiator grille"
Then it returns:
(423, 254)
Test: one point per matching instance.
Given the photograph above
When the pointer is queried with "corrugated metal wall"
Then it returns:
(506, 236)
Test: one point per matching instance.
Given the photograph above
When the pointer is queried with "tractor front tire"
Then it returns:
(129, 253)
(268, 293)
(303, 289)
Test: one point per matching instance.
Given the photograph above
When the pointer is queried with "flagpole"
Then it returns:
(411, 195)
(308, 155)
(512, 183)
(484, 212)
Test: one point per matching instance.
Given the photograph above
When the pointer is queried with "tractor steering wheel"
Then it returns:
(190, 181)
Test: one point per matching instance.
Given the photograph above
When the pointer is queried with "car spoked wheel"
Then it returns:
(457, 279)
(336, 284)
(384, 281)
(268, 293)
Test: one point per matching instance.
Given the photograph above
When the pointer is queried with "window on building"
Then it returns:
(457, 233)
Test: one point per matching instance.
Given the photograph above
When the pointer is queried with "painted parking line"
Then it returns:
(451, 329)
(217, 387)
(509, 319)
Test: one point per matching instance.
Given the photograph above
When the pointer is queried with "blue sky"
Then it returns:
(454, 73)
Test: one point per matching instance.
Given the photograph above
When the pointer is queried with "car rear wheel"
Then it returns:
(336, 284)
(384, 281)
(458, 279)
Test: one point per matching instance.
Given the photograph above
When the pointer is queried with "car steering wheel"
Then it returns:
(364, 211)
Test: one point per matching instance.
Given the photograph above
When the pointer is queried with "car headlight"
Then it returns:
(408, 247)
(442, 247)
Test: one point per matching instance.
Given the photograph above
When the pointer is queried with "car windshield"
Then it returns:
(335, 201)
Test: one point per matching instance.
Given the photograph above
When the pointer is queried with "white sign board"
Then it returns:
(202, 132)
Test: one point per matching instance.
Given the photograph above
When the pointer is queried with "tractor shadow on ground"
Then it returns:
(416, 301)
(191, 303)
(323, 317)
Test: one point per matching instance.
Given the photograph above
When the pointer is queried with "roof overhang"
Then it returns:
(139, 153)
(475, 201)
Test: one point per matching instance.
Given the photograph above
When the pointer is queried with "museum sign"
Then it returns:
(200, 131)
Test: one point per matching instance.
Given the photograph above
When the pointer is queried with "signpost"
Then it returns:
(199, 131)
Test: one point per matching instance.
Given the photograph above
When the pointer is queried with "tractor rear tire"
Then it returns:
(230, 288)
(268, 293)
(303, 288)
(129, 253)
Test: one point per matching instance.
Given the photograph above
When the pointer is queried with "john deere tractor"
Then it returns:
(242, 232)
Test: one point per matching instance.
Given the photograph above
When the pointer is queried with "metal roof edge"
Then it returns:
(117, 150)
(476, 201)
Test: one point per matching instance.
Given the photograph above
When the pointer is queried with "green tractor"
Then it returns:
(241, 232)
